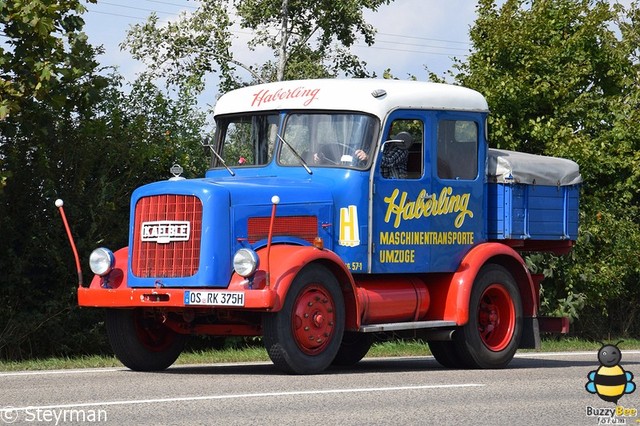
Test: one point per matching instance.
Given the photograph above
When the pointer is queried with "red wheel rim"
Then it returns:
(313, 319)
(496, 317)
(155, 337)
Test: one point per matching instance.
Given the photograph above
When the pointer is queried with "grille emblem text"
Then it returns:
(165, 231)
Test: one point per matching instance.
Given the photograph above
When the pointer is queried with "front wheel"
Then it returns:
(305, 335)
(141, 341)
(492, 335)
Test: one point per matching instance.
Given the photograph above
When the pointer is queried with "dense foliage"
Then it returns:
(562, 79)
(69, 131)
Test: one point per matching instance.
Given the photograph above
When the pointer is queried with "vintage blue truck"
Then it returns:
(304, 233)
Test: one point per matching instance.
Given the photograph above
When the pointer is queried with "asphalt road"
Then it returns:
(536, 389)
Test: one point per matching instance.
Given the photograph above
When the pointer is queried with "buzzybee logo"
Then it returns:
(610, 381)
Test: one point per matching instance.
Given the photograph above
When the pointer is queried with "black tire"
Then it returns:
(140, 341)
(446, 353)
(492, 335)
(353, 348)
(305, 335)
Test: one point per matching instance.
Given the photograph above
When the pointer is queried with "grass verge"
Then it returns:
(396, 348)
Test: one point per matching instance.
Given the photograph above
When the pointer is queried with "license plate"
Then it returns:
(214, 298)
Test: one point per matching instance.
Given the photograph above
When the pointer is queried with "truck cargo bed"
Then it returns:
(532, 197)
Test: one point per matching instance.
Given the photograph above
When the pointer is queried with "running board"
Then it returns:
(395, 326)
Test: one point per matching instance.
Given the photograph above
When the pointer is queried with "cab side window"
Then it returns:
(457, 149)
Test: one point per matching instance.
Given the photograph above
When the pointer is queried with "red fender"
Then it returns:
(285, 263)
(451, 292)
(117, 294)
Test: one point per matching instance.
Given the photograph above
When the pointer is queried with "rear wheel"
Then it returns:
(305, 335)
(492, 334)
(446, 353)
(141, 341)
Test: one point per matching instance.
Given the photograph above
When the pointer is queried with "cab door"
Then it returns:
(395, 241)
(428, 220)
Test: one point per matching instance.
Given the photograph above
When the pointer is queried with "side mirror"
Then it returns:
(206, 146)
(391, 142)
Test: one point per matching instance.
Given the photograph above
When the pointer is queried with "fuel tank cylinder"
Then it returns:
(396, 299)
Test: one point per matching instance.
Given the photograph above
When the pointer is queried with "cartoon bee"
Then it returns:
(610, 381)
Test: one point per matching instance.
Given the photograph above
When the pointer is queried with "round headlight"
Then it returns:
(102, 261)
(245, 262)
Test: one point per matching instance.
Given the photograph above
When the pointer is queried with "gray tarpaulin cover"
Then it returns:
(518, 167)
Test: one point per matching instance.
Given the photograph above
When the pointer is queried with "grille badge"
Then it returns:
(165, 231)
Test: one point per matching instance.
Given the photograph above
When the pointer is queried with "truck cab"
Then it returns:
(334, 210)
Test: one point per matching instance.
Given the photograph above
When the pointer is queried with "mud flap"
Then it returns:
(530, 333)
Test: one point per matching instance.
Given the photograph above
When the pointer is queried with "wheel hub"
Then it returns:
(152, 333)
(313, 319)
(496, 317)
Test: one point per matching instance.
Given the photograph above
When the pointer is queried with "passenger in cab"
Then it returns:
(395, 156)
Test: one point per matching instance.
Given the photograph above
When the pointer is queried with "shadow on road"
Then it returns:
(392, 365)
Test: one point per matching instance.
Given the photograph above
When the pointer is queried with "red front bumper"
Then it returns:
(261, 299)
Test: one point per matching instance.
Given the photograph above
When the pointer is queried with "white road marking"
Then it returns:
(593, 353)
(50, 372)
(233, 396)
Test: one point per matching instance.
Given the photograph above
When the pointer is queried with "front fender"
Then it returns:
(283, 265)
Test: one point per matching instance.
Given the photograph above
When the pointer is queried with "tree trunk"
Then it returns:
(282, 51)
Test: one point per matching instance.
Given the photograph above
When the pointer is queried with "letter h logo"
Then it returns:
(349, 230)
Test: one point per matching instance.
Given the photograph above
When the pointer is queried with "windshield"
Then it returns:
(247, 140)
(328, 139)
(321, 139)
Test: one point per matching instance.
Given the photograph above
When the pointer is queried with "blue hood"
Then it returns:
(228, 204)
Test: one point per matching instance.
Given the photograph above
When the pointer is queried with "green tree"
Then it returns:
(307, 39)
(94, 164)
(48, 82)
(561, 77)
(70, 132)
(47, 51)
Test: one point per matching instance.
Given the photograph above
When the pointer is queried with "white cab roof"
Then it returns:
(374, 96)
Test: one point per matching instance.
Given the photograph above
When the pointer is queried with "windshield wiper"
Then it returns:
(295, 153)
(207, 144)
